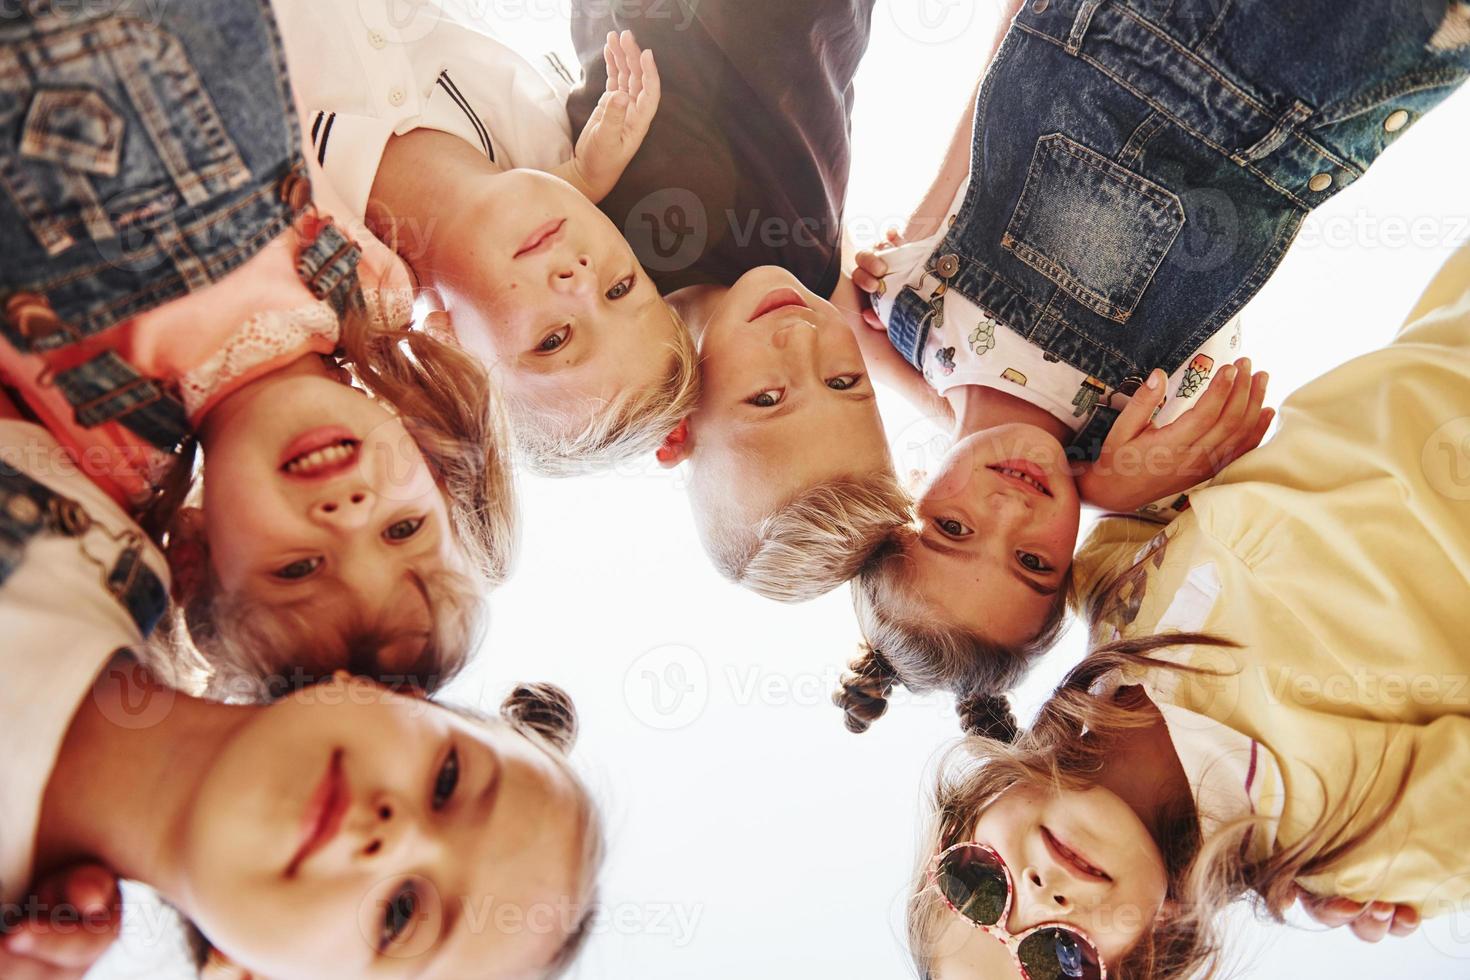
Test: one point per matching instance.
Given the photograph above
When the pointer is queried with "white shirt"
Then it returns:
(971, 347)
(366, 70)
(60, 627)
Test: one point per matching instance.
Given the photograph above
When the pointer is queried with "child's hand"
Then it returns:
(1142, 463)
(1369, 921)
(75, 917)
(869, 272)
(618, 125)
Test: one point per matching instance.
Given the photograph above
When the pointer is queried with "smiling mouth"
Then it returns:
(325, 813)
(542, 237)
(781, 299)
(323, 462)
(1064, 854)
(1028, 474)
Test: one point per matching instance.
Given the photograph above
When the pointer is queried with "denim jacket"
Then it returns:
(1141, 166)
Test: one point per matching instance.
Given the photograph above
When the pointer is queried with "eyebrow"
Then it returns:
(1022, 577)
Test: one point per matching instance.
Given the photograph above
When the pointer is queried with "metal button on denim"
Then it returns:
(1320, 183)
(70, 517)
(947, 265)
(31, 315)
(1042, 6)
(295, 189)
(22, 509)
(1396, 121)
(396, 96)
(377, 40)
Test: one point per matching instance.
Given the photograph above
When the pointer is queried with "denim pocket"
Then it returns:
(1096, 229)
(115, 124)
(73, 127)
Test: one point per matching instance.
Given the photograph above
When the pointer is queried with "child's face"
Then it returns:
(547, 293)
(1079, 858)
(786, 404)
(316, 497)
(350, 832)
(1000, 523)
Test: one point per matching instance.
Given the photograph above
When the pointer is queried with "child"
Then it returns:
(456, 151)
(1273, 701)
(734, 206)
(204, 294)
(1119, 211)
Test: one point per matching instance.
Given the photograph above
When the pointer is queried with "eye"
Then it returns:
(555, 340)
(952, 528)
(844, 382)
(401, 909)
(404, 529)
(769, 398)
(1033, 563)
(447, 782)
(298, 570)
(623, 288)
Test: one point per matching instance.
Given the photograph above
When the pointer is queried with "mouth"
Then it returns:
(1025, 473)
(542, 237)
(781, 299)
(325, 813)
(321, 454)
(1072, 859)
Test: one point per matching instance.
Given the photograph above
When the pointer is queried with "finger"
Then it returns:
(1374, 924)
(1138, 414)
(870, 317)
(1233, 414)
(894, 237)
(865, 280)
(1236, 441)
(1405, 922)
(872, 263)
(16, 968)
(615, 113)
(617, 78)
(1332, 912)
(633, 57)
(653, 88)
(1199, 420)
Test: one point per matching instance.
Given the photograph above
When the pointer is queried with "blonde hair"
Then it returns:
(445, 401)
(814, 542)
(1065, 748)
(905, 645)
(631, 427)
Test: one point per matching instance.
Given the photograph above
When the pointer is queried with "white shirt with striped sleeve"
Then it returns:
(366, 70)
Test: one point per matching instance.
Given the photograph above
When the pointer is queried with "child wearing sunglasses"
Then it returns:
(1129, 178)
(1275, 698)
(456, 150)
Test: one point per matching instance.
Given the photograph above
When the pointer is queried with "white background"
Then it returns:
(750, 834)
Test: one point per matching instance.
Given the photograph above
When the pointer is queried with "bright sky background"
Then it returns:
(751, 835)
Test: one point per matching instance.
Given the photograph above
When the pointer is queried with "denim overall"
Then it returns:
(1141, 166)
(29, 509)
(145, 152)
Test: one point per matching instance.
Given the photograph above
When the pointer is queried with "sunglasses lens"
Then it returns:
(974, 881)
(1059, 954)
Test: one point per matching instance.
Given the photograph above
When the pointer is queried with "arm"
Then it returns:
(620, 122)
(935, 204)
(73, 918)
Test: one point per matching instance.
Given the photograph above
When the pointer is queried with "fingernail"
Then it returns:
(20, 942)
(1155, 379)
(1381, 914)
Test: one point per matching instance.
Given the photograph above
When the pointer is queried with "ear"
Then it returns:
(438, 326)
(188, 553)
(677, 446)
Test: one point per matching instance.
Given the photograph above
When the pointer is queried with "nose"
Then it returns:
(1046, 894)
(571, 275)
(385, 829)
(796, 336)
(345, 511)
(1008, 512)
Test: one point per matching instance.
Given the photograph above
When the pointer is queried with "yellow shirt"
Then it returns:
(1338, 557)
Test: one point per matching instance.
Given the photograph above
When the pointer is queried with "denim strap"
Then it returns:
(107, 389)
(328, 267)
(29, 509)
(1086, 447)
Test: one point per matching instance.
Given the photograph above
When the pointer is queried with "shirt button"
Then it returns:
(948, 265)
(1396, 121)
(1320, 183)
(377, 40)
(396, 96)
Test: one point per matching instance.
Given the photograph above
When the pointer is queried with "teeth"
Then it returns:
(1024, 478)
(321, 458)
